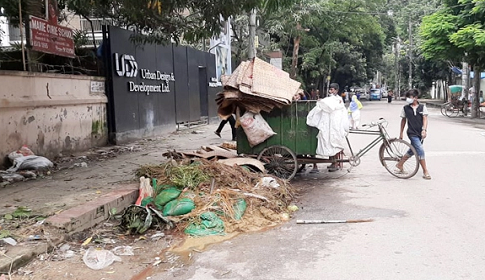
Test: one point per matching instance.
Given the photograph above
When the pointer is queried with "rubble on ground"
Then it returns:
(238, 197)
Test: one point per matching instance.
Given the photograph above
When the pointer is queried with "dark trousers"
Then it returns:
(232, 122)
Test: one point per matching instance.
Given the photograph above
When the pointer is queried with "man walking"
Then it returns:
(232, 122)
(416, 115)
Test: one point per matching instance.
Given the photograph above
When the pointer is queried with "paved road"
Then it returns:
(421, 229)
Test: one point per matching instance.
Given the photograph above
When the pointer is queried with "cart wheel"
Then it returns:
(391, 153)
(279, 161)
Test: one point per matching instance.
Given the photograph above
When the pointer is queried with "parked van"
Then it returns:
(375, 94)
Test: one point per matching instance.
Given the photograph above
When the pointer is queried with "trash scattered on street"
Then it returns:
(157, 236)
(9, 241)
(123, 251)
(207, 198)
(87, 241)
(81, 164)
(97, 258)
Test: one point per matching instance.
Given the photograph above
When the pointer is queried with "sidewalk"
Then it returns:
(107, 182)
(432, 103)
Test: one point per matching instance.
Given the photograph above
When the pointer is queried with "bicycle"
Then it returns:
(391, 151)
(453, 108)
(295, 144)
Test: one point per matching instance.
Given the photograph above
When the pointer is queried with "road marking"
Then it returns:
(453, 153)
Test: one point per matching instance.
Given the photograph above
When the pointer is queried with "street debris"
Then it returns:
(25, 159)
(97, 258)
(202, 197)
(332, 221)
(123, 251)
(9, 241)
(25, 165)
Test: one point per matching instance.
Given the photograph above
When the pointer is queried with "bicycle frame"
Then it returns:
(381, 136)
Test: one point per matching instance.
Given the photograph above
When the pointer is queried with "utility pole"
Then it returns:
(397, 49)
(22, 35)
(252, 34)
(410, 81)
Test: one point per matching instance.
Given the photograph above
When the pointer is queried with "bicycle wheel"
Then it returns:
(451, 111)
(279, 161)
(390, 154)
(443, 108)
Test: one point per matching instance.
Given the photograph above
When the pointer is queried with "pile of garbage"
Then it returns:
(25, 165)
(202, 197)
(256, 86)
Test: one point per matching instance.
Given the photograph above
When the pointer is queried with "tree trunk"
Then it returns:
(476, 96)
(294, 61)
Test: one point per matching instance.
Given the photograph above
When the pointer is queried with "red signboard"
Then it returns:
(48, 37)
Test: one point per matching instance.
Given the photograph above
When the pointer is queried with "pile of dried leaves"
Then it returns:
(218, 187)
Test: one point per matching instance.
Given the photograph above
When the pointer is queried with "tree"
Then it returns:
(457, 31)
(158, 21)
(344, 40)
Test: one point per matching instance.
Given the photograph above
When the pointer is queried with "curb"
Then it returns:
(433, 104)
(94, 212)
(68, 222)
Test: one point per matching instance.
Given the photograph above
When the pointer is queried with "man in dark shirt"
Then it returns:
(416, 115)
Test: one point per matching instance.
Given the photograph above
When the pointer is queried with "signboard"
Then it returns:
(157, 81)
(49, 37)
(97, 86)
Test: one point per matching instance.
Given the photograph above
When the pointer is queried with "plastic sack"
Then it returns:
(210, 224)
(268, 182)
(239, 208)
(178, 207)
(313, 117)
(96, 258)
(30, 163)
(256, 128)
(25, 151)
(166, 196)
(145, 190)
(146, 201)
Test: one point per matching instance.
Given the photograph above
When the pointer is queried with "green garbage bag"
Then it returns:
(210, 224)
(147, 200)
(239, 208)
(165, 196)
(178, 207)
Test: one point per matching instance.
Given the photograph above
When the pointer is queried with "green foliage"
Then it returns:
(344, 40)
(188, 175)
(159, 20)
(457, 30)
(435, 31)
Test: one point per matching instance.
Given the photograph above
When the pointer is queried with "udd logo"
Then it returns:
(125, 65)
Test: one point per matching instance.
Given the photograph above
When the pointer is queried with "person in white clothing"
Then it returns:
(331, 118)
(354, 112)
